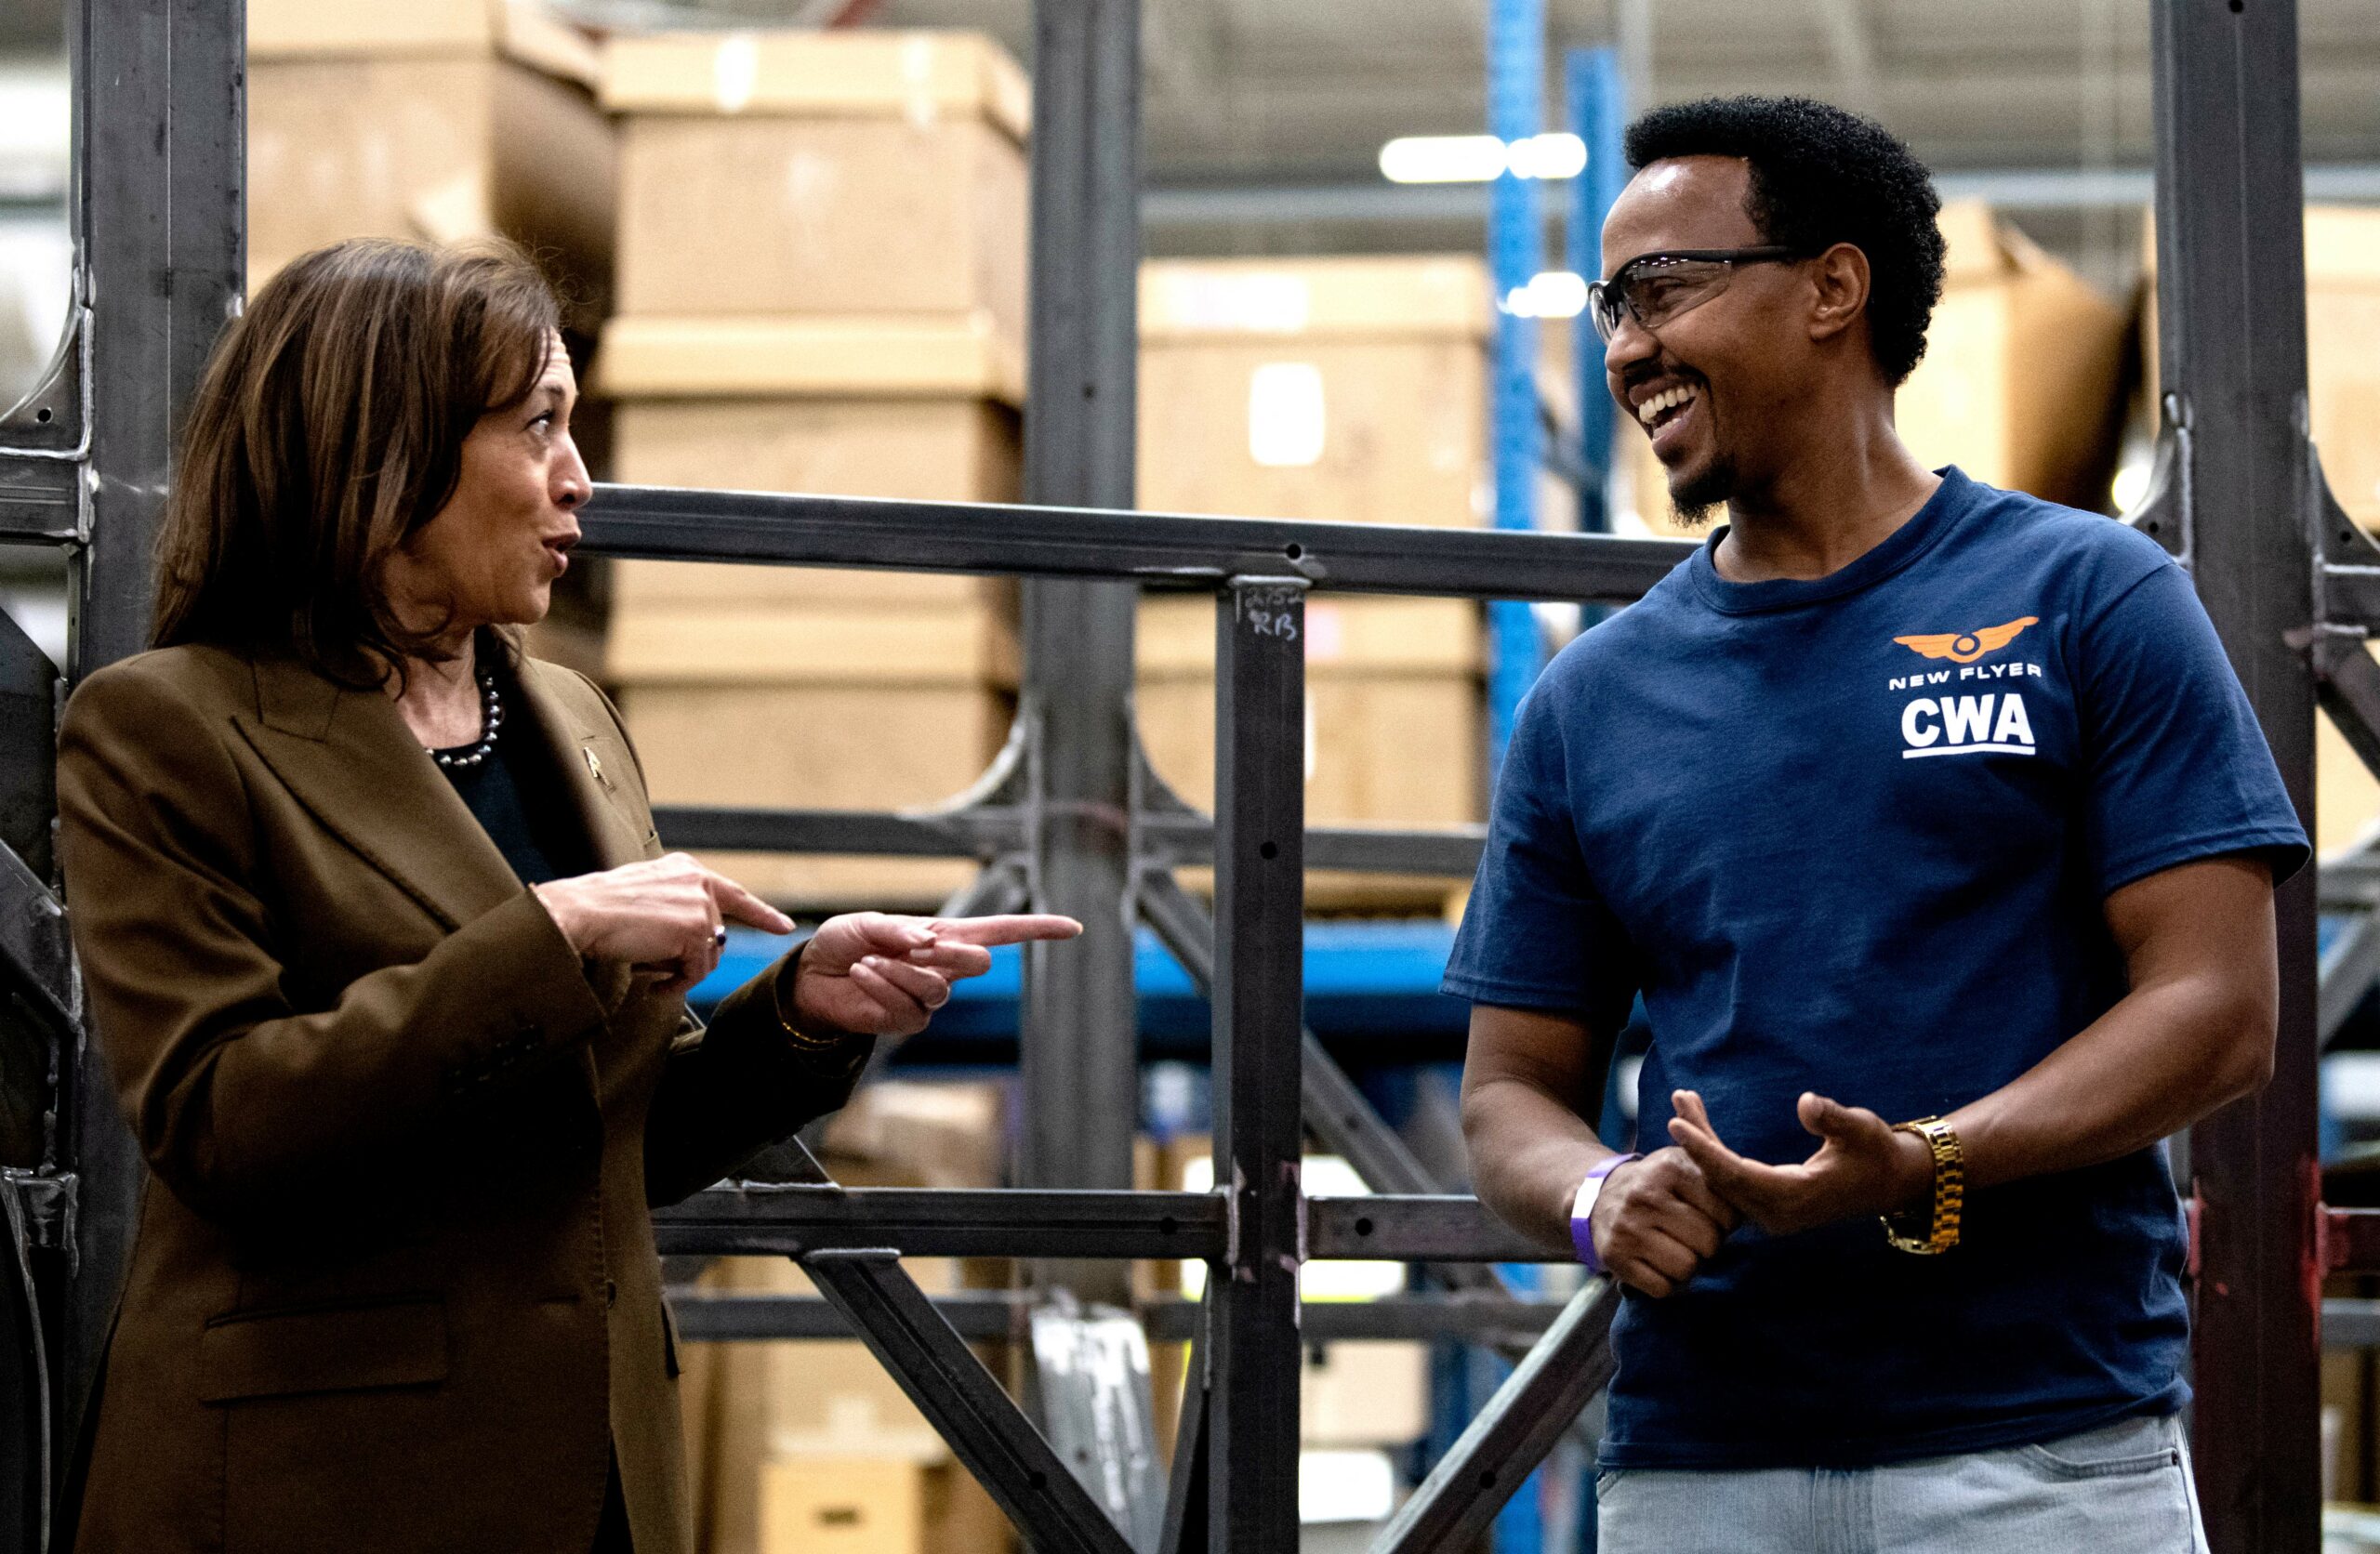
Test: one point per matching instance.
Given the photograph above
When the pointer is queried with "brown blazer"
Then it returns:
(394, 1284)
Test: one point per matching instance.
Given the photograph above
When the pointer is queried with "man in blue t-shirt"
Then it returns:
(1931, 828)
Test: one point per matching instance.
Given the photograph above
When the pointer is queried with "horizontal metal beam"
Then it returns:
(990, 830)
(2349, 1240)
(987, 1316)
(663, 523)
(1415, 1228)
(2350, 1323)
(961, 1222)
(753, 1220)
(40, 500)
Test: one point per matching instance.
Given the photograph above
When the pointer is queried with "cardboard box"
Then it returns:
(1364, 1394)
(821, 745)
(822, 173)
(1393, 708)
(847, 1505)
(949, 449)
(454, 119)
(2019, 383)
(1353, 389)
(2343, 353)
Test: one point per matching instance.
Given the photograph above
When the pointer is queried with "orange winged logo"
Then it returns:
(1966, 647)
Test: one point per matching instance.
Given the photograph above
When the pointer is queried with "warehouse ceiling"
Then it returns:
(1268, 91)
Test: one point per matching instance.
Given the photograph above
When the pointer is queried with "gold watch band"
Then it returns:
(1905, 1230)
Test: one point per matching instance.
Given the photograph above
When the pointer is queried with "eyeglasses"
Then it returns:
(1655, 288)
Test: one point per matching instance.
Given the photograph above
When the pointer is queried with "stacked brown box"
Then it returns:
(2019, 383)
(821, 283)
(1343, 389)
(438, 119)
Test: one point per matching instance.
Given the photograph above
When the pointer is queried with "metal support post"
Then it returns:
(1260, 1136)
(2232, 325)
(159, 144)
(1081, 1076)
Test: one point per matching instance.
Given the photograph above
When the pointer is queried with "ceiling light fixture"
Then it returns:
(1480, 158)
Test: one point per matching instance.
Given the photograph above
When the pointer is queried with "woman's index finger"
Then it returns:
(1010, 929)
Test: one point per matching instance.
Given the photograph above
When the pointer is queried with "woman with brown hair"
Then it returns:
(387, 967)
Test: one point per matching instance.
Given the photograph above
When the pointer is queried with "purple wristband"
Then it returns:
(1583, 1207)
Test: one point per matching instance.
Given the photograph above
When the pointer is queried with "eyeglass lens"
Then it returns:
(1653, 291)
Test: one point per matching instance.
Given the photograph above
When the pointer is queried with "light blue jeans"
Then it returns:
(2124, 1488)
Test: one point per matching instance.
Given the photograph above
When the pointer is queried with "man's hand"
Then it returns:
(886, 975)
(1862, 1167)
(1656, 1220)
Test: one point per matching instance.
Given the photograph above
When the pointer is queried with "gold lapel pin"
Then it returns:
(594, 767)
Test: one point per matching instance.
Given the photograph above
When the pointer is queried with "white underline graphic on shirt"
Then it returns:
(1968, 750)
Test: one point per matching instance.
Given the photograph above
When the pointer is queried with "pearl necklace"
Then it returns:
(490, 719)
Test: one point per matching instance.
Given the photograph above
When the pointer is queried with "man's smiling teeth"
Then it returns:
(1651, 410)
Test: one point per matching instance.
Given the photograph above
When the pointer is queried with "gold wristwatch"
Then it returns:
(1906, 1230)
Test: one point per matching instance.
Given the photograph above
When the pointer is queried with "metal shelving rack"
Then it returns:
(1073, 821)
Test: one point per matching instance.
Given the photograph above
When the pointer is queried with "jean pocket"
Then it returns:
(2126, 1448)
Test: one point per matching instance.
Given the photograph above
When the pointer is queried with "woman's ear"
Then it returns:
(1839, 290)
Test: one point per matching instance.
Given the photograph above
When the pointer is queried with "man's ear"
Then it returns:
(1839, 290)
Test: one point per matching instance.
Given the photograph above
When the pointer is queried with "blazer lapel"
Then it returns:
(593, 763)
(349, 757)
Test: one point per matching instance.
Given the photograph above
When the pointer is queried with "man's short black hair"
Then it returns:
(1821, 174)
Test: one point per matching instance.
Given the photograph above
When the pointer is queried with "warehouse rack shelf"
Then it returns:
(1073, 822)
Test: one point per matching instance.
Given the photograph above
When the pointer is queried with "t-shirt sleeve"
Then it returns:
(1537, 934)
(2179, 768)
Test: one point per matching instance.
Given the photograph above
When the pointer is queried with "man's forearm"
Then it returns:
(1529, 1155)
(2158, 1061)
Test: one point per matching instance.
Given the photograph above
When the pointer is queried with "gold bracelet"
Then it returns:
(801, 1038)
(1949, 1194)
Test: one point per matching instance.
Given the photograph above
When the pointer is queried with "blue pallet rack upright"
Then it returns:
(1597, 103)
(1516, 253)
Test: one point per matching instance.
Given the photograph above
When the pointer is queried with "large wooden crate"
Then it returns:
(825, 745)
(792, 172)
(445, 120)
(2019, 385)
(1336, 388)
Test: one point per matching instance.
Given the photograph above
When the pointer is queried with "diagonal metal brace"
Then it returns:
(2347, 682)
(2346, 973)
(950, 1387)
(1530, 1412)
(34, 949)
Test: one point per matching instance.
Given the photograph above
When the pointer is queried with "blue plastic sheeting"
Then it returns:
(1362, 979)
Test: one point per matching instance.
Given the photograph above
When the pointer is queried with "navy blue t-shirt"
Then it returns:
(1854, 835)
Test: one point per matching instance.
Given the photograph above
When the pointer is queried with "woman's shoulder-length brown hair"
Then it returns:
(327, 430)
